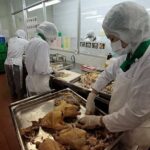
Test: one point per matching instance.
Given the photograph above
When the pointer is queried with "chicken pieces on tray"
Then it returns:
(66, 135)
(69, 98)
(30, 132)
(49, 144)
(68, 110)
(79, 139)
(74, 137)
(53, 120)
(88, 79)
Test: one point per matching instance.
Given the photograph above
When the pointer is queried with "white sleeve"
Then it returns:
(42, 63)
(137, 110)
(108, 75)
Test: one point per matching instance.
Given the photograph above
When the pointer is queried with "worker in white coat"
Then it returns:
(37, 59)
(127, 25)
(13, 63)
(90, 37)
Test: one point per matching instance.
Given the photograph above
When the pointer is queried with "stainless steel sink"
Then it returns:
(62, 65)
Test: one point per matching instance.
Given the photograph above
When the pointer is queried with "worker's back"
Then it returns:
(16, 48)
(37, 57)
(38, 66)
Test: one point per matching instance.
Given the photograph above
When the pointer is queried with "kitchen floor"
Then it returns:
(8, 138)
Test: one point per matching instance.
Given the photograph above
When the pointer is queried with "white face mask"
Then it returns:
(117, 48)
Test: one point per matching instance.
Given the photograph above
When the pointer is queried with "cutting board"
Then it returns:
(70, 76)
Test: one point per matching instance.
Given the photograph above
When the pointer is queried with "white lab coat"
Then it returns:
(38, 66)
(130, 103)
(16, 48)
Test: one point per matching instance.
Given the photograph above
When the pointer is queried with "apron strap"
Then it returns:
(139, 52)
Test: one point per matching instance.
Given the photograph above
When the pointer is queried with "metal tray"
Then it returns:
(72, 76)
(101, 93)
(25, 111)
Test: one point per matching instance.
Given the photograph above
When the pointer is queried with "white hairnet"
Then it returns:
(48, 29)
(21, 34)
(90, 34)
(128, 21)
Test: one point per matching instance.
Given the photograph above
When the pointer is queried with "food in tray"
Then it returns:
(68, 110)
(100, 146)
(69, 98)
(66, 136)
(109, 88)
(84, 140)
(30, 132)
(88, 79)
(63, 75)
(74, 137)
(53, 120)
(49, 144)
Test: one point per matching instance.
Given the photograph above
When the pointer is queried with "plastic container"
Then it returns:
(3, 55)
(3, 48)
(60, 39)
(2, 39)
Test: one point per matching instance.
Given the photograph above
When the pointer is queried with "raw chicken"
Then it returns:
(30, 132)
(68, 110)
(48, 144)
(74, 137)
(53, 120)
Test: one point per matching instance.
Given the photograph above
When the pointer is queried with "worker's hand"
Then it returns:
(90, 104)
(90, 122)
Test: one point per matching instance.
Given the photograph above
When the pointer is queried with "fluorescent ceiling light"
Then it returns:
(92, 17)
(94, 12)
(35, 7)
(100, 20)
(52, 2)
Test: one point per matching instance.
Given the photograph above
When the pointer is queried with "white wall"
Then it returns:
(49, 13)
(19, 19)
(5, 17)
(65, 17)
(38, 13)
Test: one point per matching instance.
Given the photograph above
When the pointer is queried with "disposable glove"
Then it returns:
(90, 122)
(90, 104)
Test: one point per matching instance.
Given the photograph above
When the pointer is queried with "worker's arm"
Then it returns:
(108, 75)
(104, 78)
(137, 108)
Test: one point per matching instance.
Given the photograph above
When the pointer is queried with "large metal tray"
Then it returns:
(25, 111)
(78, 84)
